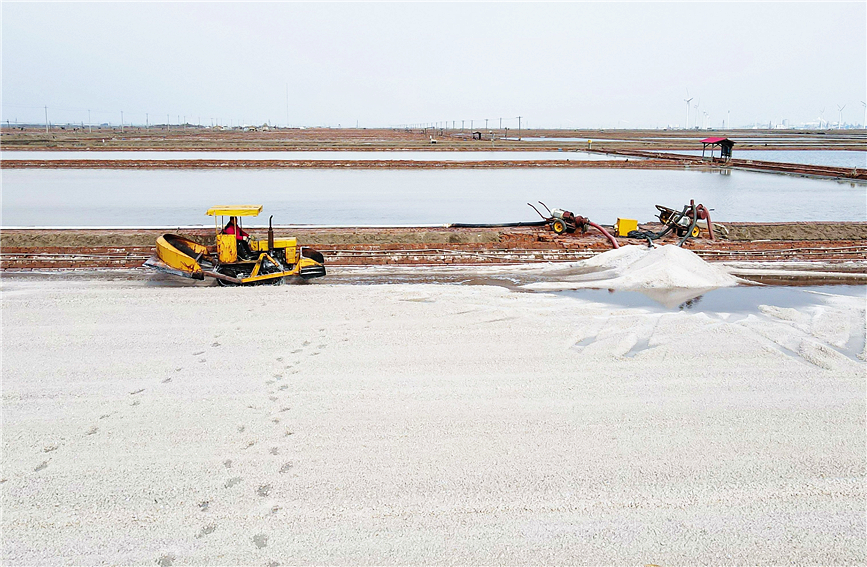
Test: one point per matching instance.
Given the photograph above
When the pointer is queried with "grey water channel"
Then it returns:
(307, 155)
(353, 197)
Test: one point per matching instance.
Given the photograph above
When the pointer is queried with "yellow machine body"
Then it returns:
(180, 254)
(284, 257)
(227, 248)
(624, 226)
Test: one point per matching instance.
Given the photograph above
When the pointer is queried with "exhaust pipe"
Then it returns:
(270, 235)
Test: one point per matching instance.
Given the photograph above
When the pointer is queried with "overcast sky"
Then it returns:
(573, 65)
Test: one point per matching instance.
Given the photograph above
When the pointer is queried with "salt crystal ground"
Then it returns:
(424, 424)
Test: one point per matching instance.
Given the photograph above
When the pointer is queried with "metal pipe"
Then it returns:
(705, 214)
(614, 243)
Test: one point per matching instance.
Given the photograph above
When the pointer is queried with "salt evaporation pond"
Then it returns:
(309, 155)
(120, 197)
(830, 158)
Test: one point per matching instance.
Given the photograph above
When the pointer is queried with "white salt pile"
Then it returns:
(637, 268)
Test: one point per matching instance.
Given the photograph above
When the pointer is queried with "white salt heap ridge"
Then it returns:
(638, 268)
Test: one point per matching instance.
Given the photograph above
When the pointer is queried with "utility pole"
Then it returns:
(121, 121)
(462, 125)
(486, 123)
(501, 123)
(519, 128)
(167, 122)
(46, 119)
(147, 121)
(89, 123)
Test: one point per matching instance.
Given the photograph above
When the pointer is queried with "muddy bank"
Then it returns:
(794, 231)
(764, 242)
(343, 164)
(729, 231)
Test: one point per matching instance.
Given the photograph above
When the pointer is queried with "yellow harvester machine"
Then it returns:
(233, 262)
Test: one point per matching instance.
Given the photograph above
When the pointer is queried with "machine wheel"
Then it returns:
(558, 226)
(229, 272)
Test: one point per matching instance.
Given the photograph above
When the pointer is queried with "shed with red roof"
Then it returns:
(725, 147)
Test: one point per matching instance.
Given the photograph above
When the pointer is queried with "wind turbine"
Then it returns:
(840, 123)
(687, 101)
(696, 110)
(821, 117)
(864, 124)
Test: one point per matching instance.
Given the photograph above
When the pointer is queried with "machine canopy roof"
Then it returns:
(235, 211)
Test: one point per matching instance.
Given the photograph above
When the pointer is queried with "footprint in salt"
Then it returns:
(261, 540)
(209, 529)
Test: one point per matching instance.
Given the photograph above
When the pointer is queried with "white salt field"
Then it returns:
(831, 158)
(425, 424)
(69, 197)
(307, 155)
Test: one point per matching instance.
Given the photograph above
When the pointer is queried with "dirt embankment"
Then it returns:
(54, 249)
(795, 231)
(729, 231)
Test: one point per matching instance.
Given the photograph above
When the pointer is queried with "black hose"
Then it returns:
(669, 226)
(497, 225)
(691, 227)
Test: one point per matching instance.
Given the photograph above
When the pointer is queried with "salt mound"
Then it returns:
(636, 268)
(618, 258)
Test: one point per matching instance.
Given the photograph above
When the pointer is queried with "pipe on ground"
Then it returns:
(607, 234)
